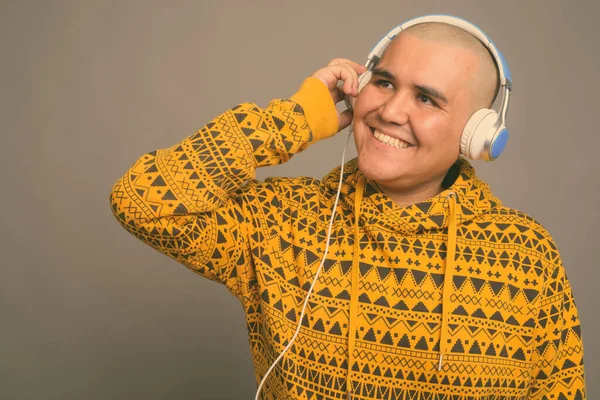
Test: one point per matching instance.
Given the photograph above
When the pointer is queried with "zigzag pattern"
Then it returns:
(513, 330)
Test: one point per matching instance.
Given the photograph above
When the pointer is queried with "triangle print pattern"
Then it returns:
(374, 322)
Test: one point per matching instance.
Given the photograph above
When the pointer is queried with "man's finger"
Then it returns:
(349, 77)
(360, 69)
(355, 65)
(342, 72)
(338, 61)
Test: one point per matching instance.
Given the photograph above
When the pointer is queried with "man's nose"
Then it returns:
(395, 108)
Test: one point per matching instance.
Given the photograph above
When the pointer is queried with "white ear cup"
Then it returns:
(363, 79)
(479, 128)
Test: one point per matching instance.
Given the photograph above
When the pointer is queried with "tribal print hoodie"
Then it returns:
(454, 297)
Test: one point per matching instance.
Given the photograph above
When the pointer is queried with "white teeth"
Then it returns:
(390, 141)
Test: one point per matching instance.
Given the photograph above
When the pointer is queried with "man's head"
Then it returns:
(429, 81)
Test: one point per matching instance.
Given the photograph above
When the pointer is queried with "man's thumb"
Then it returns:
(345, 119)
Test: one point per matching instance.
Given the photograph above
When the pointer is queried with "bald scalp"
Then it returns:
(485, 81)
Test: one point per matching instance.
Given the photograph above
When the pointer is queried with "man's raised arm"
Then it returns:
(186, 201)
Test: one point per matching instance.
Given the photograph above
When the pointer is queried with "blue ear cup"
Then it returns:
(363, 79)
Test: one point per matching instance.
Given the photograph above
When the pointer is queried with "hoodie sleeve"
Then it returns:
(193, 201)
(558, 347)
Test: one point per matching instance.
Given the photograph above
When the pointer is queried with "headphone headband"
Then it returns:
(474, 30)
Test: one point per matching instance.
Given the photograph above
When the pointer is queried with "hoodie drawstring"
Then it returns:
(447, 289)
(360, 188)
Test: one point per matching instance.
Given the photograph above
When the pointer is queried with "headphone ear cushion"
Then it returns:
(363, 79)
(475, 132)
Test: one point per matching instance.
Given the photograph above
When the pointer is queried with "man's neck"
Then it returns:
(407, 198)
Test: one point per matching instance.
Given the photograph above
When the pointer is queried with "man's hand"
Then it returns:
(347, 71)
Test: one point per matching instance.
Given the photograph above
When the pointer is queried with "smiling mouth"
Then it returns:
(390, 141)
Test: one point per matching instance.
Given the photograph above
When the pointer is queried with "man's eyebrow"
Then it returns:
(428, 90)
(384, 73)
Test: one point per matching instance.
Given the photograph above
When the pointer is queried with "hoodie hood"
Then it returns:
(473, 198)
(464, 199)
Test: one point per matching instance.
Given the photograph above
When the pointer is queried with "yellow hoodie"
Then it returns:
(455, 297)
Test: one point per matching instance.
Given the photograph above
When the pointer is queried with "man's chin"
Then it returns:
(378, 172)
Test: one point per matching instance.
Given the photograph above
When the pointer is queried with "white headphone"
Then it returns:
(484, 135)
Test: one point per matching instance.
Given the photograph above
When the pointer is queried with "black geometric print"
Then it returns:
(374, 321)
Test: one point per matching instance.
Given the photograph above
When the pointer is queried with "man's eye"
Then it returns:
(425, 100)
(383, 83)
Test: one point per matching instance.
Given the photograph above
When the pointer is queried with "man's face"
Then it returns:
(420, 93)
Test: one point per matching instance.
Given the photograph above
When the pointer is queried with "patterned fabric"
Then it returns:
(456, 297)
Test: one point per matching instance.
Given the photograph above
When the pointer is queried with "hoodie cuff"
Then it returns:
(319, 109)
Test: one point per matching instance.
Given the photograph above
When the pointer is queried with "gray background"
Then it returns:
(87, 311)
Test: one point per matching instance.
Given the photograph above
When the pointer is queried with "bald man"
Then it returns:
(421, 285)
(430, 80)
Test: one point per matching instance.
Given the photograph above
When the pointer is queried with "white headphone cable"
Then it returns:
(337, 197)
